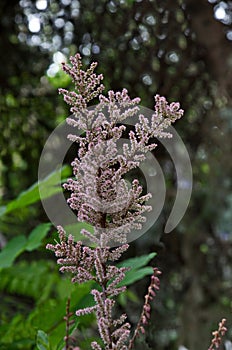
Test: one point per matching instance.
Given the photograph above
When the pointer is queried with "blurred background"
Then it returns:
(179, 49)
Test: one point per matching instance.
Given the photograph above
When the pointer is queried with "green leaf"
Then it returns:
(47, 187)
(137, 262)
(137, 270)
(36, 236)
(133, 276)
(51, 184)
(13, 248)
(19, 244)
(42, 341)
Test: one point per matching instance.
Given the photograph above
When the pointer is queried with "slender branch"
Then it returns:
(146, 311)
(69, 322)
(217, 335)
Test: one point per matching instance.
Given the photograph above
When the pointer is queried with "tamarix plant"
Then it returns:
(102, 196)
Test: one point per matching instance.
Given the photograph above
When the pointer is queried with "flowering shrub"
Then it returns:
(101, 196)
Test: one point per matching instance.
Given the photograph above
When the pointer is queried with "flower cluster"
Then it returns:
(87, 83)
(217, 335)
(99, 193)
(92, 264)
(101, 196)
(85, 263)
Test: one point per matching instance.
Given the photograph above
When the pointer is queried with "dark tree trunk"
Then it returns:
(211, 37)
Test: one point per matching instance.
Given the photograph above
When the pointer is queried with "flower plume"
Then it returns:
(102, 197)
